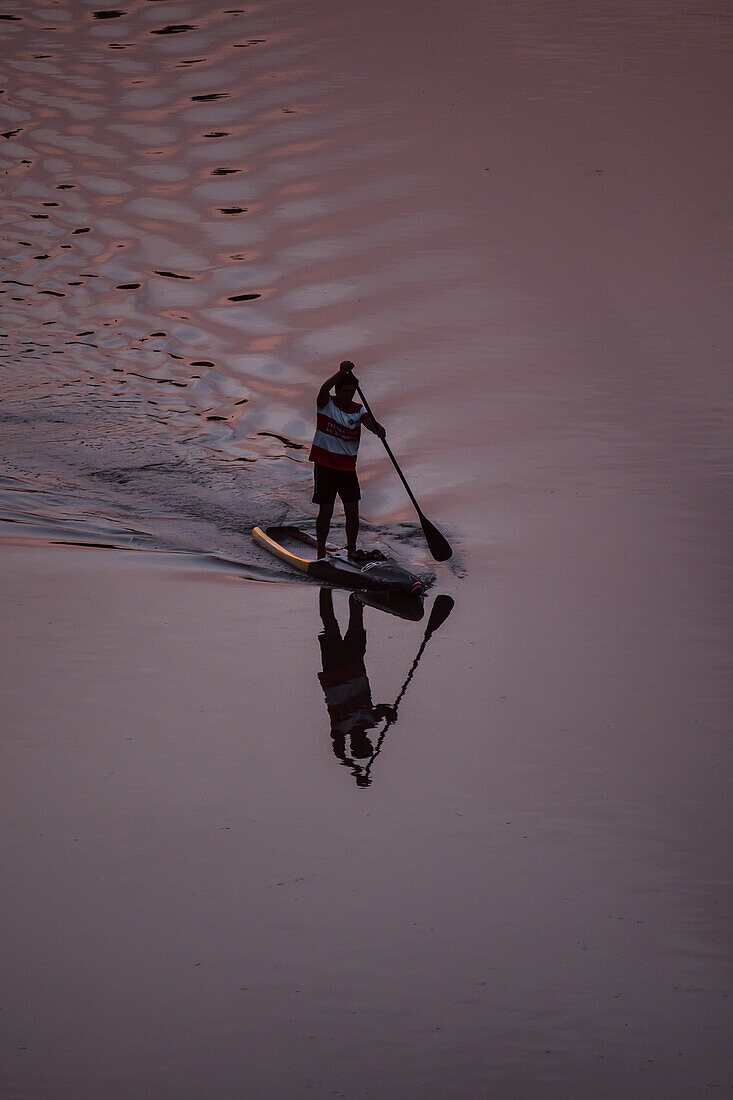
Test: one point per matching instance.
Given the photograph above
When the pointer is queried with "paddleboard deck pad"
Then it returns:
(298, 549)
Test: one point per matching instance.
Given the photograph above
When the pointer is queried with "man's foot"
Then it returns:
(361, 556)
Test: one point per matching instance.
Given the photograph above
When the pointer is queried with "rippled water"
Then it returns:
(514, 217)
(209, 229)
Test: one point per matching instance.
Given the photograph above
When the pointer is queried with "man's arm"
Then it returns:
(325, 391)
(370, 423)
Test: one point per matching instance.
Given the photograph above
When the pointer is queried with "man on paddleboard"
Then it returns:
(333, 454)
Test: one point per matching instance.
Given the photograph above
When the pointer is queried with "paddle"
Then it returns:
(442, 607)
(438, 545)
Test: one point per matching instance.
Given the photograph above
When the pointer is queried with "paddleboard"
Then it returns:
(298, 549)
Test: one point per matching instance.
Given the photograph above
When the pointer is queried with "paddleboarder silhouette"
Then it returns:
(346, 685)
(333, 454)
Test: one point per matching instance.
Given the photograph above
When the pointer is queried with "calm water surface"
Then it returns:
(514, 218)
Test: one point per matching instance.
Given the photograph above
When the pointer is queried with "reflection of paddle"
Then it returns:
(442, 607)
(438, 545)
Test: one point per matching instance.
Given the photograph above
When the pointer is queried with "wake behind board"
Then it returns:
(298, 549)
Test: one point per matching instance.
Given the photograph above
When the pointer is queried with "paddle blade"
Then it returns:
(438, 545)
(442, 607)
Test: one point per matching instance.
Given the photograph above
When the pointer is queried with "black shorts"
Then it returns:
(328, 484)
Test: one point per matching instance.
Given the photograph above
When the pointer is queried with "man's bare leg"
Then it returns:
(351, 511)
(323, 525)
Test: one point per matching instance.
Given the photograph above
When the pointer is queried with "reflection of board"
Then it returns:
(403, 605)
(298, 549)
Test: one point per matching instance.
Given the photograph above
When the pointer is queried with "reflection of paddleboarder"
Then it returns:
(346, 686)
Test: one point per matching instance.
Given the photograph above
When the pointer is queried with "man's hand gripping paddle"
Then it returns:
(438, 545)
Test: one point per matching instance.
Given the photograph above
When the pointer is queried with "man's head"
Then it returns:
(346, 385)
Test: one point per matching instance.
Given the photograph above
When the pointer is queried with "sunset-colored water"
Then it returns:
(514, 218)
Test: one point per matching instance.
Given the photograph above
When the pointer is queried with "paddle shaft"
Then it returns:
(441, 610)
(439, 546)
(388, 449)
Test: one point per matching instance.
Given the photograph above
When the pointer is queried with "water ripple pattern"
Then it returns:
(179, 207)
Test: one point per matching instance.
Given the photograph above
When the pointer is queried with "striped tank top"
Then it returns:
(338, 430)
